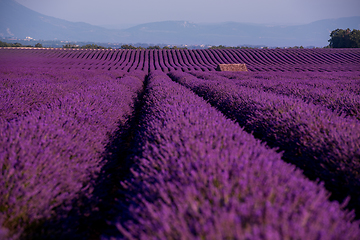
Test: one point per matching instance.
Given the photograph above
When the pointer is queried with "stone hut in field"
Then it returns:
(232, 67)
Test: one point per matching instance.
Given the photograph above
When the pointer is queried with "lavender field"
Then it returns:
(156, 144)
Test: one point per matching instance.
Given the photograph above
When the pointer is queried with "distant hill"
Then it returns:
(21, 22)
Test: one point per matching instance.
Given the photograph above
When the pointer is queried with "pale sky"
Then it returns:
(117, 12)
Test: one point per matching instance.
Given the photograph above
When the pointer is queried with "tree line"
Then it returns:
(5, 44)
(339, 38)
(87, 46)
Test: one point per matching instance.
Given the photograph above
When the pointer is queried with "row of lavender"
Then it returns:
(54, 128)
(279, 60)
(339, 92)
(323, 143)
(195, 174)
(199, 175)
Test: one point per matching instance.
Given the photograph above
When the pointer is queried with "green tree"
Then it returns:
(125, 46)
(176, 47)
(344, 38)
(39, 45)
(154, 47)
(5, 44)
(93, 46)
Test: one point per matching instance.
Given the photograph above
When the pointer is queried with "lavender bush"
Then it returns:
(22, 90)
(198, 175)
(338, 95)
(323, 144)
(51, 155)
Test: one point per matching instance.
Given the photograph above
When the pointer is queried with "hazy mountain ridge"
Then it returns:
(21, 22)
